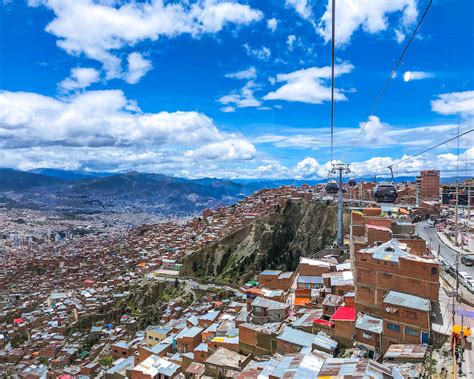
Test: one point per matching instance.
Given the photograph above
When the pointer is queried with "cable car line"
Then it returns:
(429, 149)
(333, 44)
(392, 75)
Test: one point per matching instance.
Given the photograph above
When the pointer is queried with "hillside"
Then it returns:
(276, 241)
(136, 192)
(13, 180)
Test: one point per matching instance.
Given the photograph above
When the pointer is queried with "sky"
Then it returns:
(234, 88)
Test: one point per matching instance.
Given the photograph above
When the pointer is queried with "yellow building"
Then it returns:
(156, 334)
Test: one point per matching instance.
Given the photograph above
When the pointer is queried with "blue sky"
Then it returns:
(232, 88)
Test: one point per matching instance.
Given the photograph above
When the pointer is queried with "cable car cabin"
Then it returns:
(352, 182)
(332, 187)
(385, 193)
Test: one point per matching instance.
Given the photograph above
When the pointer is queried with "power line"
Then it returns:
(333, 44)
(429, 149)
(392, 75)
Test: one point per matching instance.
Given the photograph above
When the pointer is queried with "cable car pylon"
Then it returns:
(341, 168)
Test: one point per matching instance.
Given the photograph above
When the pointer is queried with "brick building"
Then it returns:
(264, 310)
(430, 184)
(275, 279)
(188, 339)
(396, 279)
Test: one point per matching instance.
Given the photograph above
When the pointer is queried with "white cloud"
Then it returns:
(376, 135)
(399, 36)
(416, 75)
(376, 132)
(454, 103)
(262, 53)
(301, 7)
(308, 167)
(243, 99)
(112, 25)
(272, 24)
(232, 149)
(228, 109)
(309, 85)
(368, 15)
(137, 68)
(98, 119)
(445, 162)
(293, 141)
(250, 73)
(290, 41)
(81, 77)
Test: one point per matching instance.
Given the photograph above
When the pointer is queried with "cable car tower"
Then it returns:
(341, 168)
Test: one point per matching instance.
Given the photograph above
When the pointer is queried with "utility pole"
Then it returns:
(456, 217)
(341, 168)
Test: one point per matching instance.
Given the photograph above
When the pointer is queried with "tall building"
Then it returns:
(396, 281)
(429, 187)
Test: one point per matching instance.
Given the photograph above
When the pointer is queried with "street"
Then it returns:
(429, 234)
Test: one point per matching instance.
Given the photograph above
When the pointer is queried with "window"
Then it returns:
(341, 292)
(367, 336)
(411, 332)
(434, 270)
(393, 327)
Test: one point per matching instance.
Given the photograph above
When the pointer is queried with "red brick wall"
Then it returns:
(417, 246)
(408, 276)
(374, 341)
(372, 211)
(119, 352)
(187, 344)
(200, 356)
(247, 336)
(309, 270)
(344, 332)
(374, 235)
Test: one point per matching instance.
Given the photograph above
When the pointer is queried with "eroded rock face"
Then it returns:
(275, 241)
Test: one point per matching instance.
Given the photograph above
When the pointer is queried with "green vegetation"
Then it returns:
(106, 360)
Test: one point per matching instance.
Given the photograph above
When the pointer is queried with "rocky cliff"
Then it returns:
(275, 241)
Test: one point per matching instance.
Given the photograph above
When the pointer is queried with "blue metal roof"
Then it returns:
(407, 301)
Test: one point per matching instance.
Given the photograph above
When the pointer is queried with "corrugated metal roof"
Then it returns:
(210, 316)
(271, 272)
(389, 251)
(369, 323)
(407, 301)
(406, 351)
(354, 368)
(325, 342)
(314, 262)
(310, 279)
(333, 300)
(296, 337)
(266, 303)
(189, 332)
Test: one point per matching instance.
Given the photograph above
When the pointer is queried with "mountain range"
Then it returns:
(82, 191)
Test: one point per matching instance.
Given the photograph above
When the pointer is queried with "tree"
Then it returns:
(106, 360)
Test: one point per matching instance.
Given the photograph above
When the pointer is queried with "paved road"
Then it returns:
(429, 234)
